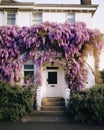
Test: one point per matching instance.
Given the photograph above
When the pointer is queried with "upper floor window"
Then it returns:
(70, 17)
(36, 18)
(11, 18)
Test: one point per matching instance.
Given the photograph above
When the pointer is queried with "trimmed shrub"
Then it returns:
(102, 75)
(87, 106)
(14, 101)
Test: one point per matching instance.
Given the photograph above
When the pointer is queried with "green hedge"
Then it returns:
(14, 101)
(102, 75)
(87, 106)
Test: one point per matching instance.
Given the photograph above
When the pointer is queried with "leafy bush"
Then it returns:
(102, 75)
(87, 106)
(14, 101)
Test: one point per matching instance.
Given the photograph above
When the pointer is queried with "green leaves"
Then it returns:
(87, 106)
(15, 101)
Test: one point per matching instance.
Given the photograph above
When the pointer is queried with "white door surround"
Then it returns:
(53, 86)
(53, 82)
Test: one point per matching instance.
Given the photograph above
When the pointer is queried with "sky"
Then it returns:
(98, 18)
(59, 1)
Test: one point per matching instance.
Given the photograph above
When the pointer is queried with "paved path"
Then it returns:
(46, 126)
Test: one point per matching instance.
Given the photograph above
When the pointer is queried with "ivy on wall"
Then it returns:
(40, 42)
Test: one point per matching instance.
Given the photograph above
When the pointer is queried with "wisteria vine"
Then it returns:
(40, 43)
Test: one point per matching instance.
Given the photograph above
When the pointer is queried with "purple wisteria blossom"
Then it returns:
(40, 43)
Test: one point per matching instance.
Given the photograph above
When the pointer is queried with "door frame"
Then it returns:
(52, 88)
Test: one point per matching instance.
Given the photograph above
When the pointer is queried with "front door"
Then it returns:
(53, 88)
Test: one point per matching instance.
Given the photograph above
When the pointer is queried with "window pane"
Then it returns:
(11, 22)
(11, 18)
(37, 18)
(28, 77)
(71, 18)
(52, 77)
(52, 68)
(28, 66)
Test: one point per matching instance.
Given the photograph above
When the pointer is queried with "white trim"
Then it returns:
(70, 17)
(5, 17)
(36, 17)
(27, 70)
(52, 7)
(65, 8)
(49, 8)
(14, 6)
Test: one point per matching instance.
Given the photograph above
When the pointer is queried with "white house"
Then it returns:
(13, 12)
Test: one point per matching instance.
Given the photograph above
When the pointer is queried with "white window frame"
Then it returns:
(70, 17)
(36, 18)
(6, 17)
(27, 70)
(11, 18)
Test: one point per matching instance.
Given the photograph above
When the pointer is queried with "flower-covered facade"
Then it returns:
(63, 44)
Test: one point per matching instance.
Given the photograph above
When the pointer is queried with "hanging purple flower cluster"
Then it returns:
(76, 74)
(40, 43)
(10, 64)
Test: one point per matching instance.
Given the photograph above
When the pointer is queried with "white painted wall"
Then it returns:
(54, 17)
(24, 18)
(91, 67)
(84, 17)
(1, 18)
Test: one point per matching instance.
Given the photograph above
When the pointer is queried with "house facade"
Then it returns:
(13, 12)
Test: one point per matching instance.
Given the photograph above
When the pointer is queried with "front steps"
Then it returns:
(48, 113)
(52, 110)
(53, 104)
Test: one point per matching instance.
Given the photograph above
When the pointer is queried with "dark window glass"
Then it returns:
(52, 68)
(28, 77)
(52, 77)
(28, 66)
